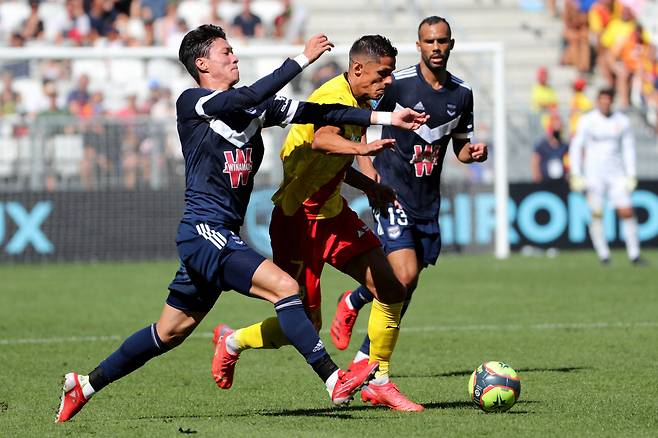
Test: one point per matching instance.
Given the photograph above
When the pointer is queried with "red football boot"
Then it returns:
(73, 399)
(223, 362)
(343, 323)
(351, 381)
(389, 395)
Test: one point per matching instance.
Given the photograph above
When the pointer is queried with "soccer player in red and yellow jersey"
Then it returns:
(313, 225)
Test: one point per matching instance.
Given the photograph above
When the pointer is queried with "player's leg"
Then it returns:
(595, 193)
(171, 329)
(273, 284)
(621, 200)
(406, 267)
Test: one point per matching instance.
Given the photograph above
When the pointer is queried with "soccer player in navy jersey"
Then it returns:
(409, 229)
(219, 127)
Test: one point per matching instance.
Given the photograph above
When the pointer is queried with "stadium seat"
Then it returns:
(12, 15)
(126, 70)
(52, 14)
(267, 10)
(94, 68)
(194, 12)
(228, 11)
(8, 157)
(67, 154)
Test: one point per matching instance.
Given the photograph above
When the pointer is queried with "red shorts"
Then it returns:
(302, 246)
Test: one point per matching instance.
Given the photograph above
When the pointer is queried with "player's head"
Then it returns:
(435, 42)
(372, 62)
(206, 54)
(604, 100)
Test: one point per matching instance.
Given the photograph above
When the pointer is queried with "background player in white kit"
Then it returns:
(602, 157)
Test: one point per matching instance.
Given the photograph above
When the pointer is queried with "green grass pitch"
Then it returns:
(583, 337)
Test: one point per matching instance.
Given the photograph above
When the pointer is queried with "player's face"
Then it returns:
(434, 44)
(604, 102)
(221, 63)
(375, 76)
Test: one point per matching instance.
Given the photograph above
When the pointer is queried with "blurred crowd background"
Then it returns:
(93, 123)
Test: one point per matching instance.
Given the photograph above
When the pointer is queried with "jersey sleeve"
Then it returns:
(208, 103)
(464, 129)
(282, 111)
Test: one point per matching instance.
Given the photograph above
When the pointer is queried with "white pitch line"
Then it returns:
(431, 328)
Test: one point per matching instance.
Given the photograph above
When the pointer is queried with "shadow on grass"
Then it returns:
(339, 413)
(520, 371)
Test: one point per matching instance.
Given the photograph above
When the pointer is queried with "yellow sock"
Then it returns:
(265, 334)
(383, 330)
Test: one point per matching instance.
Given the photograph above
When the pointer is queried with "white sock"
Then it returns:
(231, 345)
(331, 382)
(630, 237)
(348, 301)
(598, 238)
(87, 389)
(381, 380)
(360, 356)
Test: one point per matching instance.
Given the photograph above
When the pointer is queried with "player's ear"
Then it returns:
(201, 64)
(418, 46)
(357, 67)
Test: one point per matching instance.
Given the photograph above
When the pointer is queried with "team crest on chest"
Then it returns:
(452, 109)
(238, 165)
(424, 159)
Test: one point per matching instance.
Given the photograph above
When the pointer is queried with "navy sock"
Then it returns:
(135, 351)
(300, 331)
(365, 346)
(360, 296)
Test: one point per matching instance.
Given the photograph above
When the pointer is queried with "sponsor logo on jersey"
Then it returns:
(393, 232)
(424, 159)
(238, 165)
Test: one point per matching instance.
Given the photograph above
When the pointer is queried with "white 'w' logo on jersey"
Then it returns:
(424, 159)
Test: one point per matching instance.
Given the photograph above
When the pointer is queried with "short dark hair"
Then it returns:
(607, 91)
(196, 44)
(434, 19)
(373, 46)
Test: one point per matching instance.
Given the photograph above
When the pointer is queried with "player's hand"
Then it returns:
(577, 183)
(408, 119)
(380, 196)
(478, 152)
(316, 46)
(371, 173)
(375, 147)
(631, 183)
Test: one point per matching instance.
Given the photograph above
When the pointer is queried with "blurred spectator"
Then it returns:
(32, 27)
(75, 26)
(166, 25)
(324, 72)
(548, 158)
(289, 25)
(79, 96)
(648, 83)
(248, 24)
(617, 31)
(102, 15)
(544, 102)
(578, 105)
(575, 35)
(9, 99)
(156, 8)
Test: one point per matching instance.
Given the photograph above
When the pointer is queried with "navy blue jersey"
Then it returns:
(413, 166)
(220, 132)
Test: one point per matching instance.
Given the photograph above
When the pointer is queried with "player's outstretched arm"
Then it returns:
(328, 140)
(408, 119)
(211, 103)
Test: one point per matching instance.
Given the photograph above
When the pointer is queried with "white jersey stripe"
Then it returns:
(199, 105)
(292, 109)
(238, 139)
(203, 230)
(430, 135)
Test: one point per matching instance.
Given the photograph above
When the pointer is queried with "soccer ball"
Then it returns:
(494, 387)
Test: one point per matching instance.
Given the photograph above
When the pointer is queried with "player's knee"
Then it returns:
(175, 335)
(286, 286)
(408, 279)
(389, 292)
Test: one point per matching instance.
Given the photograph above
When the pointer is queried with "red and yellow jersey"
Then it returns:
(311, 179)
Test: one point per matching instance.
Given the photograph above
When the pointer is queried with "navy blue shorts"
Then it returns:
(397, 231)
(212, 260)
